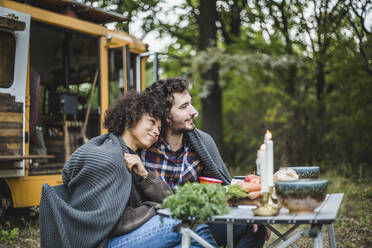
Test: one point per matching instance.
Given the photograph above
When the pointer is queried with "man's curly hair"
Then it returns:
(163, 90)
(128, 110)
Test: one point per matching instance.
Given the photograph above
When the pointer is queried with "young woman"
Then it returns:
(108, 198)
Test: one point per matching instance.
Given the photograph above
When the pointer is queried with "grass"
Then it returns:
(27, 223)
(353, 226)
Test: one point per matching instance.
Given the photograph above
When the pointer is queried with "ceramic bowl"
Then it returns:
(306, 172)
(302, 196)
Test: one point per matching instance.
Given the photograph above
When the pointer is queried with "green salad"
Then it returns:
(197, 200)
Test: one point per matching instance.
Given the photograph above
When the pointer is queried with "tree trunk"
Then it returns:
(320, 86)
(212, 104)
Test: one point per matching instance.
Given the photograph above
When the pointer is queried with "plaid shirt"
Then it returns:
(173, 170)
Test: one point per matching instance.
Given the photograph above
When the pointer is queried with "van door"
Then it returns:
(14, 46)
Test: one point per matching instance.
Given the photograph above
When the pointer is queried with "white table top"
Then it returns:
(324, 214)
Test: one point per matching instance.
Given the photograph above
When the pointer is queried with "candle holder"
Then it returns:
(270, 204)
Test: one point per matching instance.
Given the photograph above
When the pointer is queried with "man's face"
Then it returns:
(182, 113)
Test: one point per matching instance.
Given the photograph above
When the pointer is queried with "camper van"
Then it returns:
(60, 69)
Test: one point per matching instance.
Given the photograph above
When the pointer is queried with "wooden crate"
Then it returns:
(11, 124)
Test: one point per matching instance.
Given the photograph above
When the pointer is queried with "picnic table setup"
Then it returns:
(292, 196)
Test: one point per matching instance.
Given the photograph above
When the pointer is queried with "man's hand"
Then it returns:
(268, 231)
(135, 165)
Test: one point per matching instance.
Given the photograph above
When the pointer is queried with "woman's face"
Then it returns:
(145, 132)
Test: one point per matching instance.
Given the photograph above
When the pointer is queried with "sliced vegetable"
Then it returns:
(248, 187)
(256, 180)
(251, 177)
(254, 194)
(236, 191)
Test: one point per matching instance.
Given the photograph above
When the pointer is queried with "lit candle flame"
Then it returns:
(270, 136)
(263, 147)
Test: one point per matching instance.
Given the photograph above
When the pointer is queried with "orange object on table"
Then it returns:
(209, 180)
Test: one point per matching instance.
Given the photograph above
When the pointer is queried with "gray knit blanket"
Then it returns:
(204, 146)
(96, 187)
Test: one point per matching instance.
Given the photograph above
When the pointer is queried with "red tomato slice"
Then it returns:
(251, 177)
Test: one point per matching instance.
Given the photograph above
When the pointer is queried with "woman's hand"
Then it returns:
(135, 165)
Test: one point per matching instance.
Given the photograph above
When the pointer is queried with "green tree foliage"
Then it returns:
(128, 8)
(298, 69)
(302, 69)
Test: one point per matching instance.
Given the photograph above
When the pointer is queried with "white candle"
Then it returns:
(269, 158)
(258, 162)
(263, 168)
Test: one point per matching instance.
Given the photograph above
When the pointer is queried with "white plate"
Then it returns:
(247, 206)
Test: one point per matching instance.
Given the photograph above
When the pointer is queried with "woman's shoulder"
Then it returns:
(102, 148)
(101, 155)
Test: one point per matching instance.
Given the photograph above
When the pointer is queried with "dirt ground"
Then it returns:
(27, 222)
(353, 227)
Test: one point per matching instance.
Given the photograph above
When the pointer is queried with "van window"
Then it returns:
(7, 54)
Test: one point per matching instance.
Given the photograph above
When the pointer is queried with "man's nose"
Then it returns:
(194, 113)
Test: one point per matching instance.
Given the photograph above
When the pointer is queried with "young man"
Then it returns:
(183, 153)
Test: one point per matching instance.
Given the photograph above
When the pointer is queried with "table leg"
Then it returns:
(282, 236)
(331, 234)
(187, 234)
(293, 239)
(186, 238)
(317, 237)
(230, 235)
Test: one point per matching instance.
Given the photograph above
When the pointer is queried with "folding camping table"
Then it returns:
(325, 214)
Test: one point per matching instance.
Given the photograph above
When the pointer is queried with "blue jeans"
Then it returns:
(243, 235)
(157, 234)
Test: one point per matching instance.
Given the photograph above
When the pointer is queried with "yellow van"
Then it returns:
(60, 69)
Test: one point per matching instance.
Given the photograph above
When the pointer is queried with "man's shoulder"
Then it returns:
(202, 134)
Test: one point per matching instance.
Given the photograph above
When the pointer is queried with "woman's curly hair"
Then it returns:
(164, 90)
(128, 110)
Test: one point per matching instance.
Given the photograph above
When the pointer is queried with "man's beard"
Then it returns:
(178, 127)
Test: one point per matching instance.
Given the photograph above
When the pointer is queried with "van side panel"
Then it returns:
(17, 90)
(26, 191)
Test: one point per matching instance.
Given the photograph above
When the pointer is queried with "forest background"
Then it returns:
(301, 69)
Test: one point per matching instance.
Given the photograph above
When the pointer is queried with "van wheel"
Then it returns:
(4, 204)
(5, 198)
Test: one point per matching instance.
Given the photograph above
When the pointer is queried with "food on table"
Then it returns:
(236, 191)
(252, 178)
(248, 186)
(254, 194)
(285, 174)
(234, 202)
(245, 192)
(197, 200)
